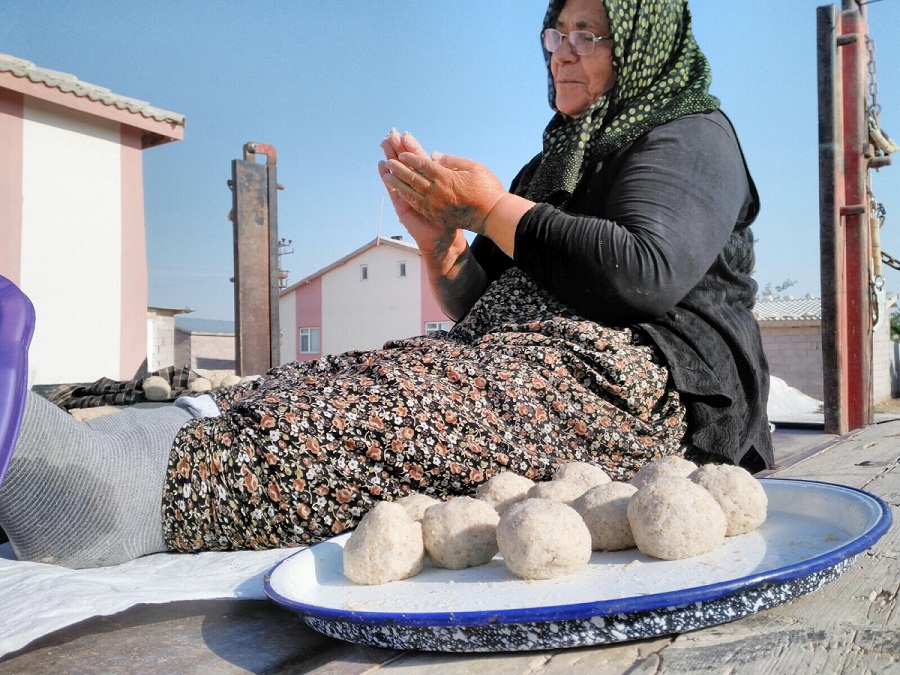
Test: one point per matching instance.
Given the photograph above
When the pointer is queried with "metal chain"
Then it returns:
(890, 261)
(874, 107)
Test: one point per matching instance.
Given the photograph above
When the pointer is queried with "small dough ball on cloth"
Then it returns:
(386, 546)
(416, 504)
(673, 518)
(504, 490)
(672, 465)
(561, 491)
(582, 474)
(740, 495)
(461, 532)
(604, 509)
(543, 539)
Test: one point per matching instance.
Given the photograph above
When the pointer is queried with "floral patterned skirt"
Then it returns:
(521, 384)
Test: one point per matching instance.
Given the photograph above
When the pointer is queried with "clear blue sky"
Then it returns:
(324, 82)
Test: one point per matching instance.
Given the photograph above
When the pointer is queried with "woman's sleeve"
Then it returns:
(670, 209)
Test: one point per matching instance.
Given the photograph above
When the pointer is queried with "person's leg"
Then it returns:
(88, 494)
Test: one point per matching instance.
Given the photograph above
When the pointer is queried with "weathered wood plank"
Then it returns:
(587, 661)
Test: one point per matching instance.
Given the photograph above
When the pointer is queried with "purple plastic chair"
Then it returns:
(16, 329)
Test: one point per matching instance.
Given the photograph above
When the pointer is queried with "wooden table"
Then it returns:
(850, 626)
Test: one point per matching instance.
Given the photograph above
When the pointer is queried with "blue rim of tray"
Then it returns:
(615, 606)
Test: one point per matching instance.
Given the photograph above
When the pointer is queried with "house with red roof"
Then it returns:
(72, 218)
(378, 292)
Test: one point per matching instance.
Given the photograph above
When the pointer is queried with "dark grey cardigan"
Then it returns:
(657, 236)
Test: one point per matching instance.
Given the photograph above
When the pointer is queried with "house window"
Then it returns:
(363, 272)
(432, 327)
(309, 341)
(401, 269)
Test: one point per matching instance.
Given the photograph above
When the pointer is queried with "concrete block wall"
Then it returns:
(162, 344)
(205, 350)
(794, 351)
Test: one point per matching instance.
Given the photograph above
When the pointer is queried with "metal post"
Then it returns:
(831, 232)
(255, 218)
(844, 219)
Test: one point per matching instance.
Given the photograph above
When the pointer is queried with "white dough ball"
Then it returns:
(583, 474)
(740, 495)
(673, 518)
(461, 532)
(543, 539)
(561, 491)
(604, 509)
(672, 465)
(504, 490)
(416, 504)
(386, 546)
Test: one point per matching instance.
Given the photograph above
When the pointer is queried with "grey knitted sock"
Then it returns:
(88, 494)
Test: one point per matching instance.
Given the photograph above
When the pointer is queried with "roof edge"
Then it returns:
(159, 126)
(377, 241)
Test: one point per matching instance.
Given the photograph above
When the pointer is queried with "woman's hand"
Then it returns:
(456, 192)
(457, 280)
(431, 237)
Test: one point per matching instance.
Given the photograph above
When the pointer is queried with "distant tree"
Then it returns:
(895, 324)
(775, 294)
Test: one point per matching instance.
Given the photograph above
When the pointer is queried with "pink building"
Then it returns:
(72, 218)
(377, 293)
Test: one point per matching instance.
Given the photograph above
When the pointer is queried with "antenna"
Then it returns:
(380, 215)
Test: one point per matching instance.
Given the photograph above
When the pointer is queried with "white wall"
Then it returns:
(71, 242)
(287, 324)
(366, 314)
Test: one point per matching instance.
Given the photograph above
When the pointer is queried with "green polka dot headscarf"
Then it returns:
(661, 75)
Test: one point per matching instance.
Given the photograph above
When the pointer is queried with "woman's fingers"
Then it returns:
(410, 144)
(409, 173)
(395, 143)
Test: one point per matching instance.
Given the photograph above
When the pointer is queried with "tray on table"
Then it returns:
(813, 533)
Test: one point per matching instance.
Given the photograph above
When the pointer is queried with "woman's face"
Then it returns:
(581, 80)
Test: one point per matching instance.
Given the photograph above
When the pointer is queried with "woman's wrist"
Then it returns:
(503, 219)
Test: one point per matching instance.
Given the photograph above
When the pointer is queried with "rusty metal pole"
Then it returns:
(255, 218)
(831, 231)
(856, 217)
(844, 218)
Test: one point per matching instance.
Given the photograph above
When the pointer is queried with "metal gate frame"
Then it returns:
(844, 213)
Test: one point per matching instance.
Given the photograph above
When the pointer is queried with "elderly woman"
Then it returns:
(603, 315)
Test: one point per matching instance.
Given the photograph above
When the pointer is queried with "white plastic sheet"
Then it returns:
(38, 599)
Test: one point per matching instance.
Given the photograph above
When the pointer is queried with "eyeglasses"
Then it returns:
(582, 42)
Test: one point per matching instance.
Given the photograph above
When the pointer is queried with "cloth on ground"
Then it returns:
(39, 599)
(115, 392)
(199, 406)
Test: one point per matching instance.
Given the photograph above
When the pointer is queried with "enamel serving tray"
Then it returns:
(813, 533)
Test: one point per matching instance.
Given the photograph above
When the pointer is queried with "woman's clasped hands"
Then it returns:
(450, 192)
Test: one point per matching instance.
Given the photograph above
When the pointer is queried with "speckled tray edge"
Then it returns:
(600, 622)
